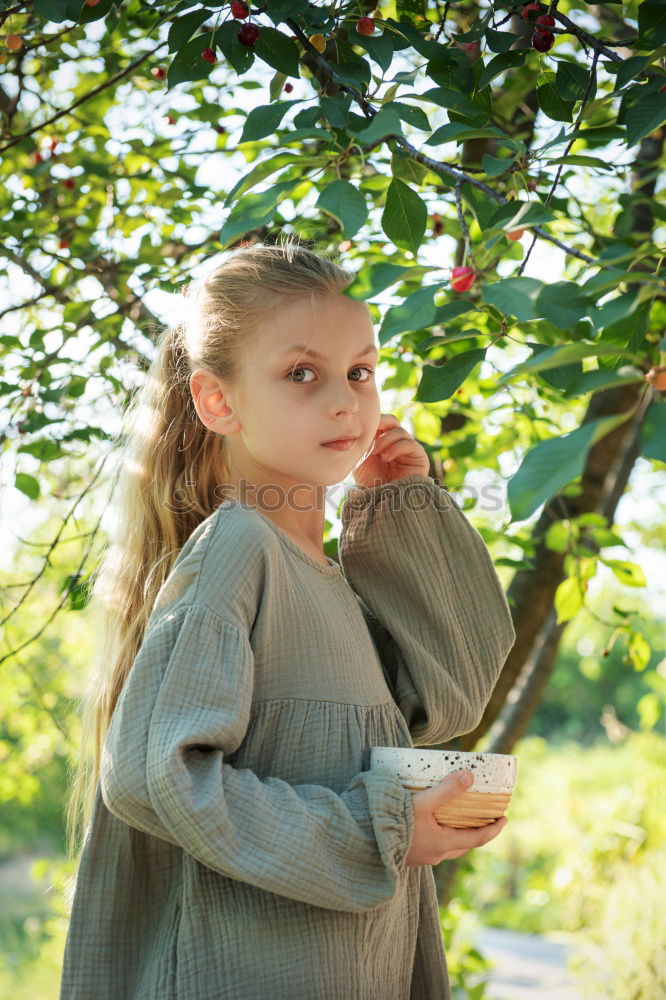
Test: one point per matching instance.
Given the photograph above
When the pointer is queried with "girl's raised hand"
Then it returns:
(394, 454)
(433, 842)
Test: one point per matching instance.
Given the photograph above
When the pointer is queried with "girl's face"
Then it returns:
(288, 402)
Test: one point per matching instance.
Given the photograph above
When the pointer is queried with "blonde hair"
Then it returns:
(168, 450)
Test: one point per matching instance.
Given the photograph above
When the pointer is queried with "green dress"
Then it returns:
(240, 847)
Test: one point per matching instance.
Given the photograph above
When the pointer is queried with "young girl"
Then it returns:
(237, 845)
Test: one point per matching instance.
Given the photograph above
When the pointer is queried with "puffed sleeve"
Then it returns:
(183, 710)
(432, 600)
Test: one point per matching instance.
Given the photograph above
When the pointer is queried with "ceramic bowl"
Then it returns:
(482, 803)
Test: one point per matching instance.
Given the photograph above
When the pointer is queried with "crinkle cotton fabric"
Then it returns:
(240, 845)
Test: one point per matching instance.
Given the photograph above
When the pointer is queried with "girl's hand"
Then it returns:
(394, 454)
(433, 842)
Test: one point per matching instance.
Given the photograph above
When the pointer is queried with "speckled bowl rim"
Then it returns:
(457, 760)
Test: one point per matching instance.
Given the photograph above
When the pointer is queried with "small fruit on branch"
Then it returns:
(515, 234)
(318, 42)
(209, 56)
(544, 23)
(542, 41)
(248, 34)
(239, 9)
(365, 26)
(13, 42)
(531, 11)
(462, 279)
(158, 72)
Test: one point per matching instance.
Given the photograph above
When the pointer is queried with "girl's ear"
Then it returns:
(211, 400)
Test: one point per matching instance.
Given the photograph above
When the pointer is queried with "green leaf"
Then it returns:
(259, 173)
(239, 56)
(614, 310)
(554, 357)
(653, 434)
(280, 10)
(184, 27)
(278, 51)
(628, 573)
(451, 310)
(441, 381)
(384, 123)
(568, 599)
(519, 214)
(336, 109)
(551, 464)
(407, 169)
(404, 217)
(499, 41)
(71, 10)
(378, 47)
(495, 166)
(499, 64)
(562, 303)
(355, 73)
(645, 115)
(187, 64)
(571, 82)
(550, 101)
(346, 204)
(627, 70)
(254, 210)
(651, 23)
(458, 132)
(374, 278)
(450, 68)
(414, 313)
(578, 160)
(482, 205)
(416, 117)
(514, 297)
(454, 100)
(78, 591)
(602, 378)
(639, 652)
(27, 484)
(264, 120)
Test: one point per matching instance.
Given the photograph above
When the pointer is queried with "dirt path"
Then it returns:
(527, 966)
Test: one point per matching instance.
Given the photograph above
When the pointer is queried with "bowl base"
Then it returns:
(471, 809)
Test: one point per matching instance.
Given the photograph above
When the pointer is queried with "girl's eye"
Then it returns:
(302, 368)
